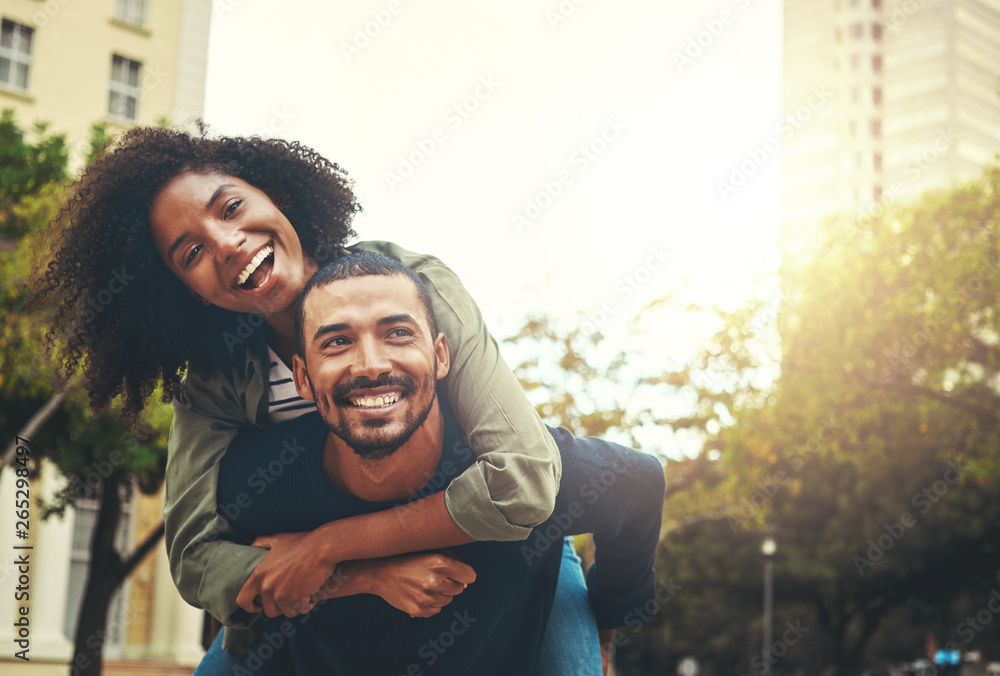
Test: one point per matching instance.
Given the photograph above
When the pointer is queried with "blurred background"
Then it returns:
(757, 240)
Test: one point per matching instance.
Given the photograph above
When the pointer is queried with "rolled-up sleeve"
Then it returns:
(513, 484)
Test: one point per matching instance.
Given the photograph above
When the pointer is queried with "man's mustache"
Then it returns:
(405, 383)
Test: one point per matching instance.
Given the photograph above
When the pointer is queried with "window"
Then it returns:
(857, 31)
(84, 518)
(877, 31)
(855, 62)
(877, 63)
(877, 193)
(131, 11)
(877, 96)
(123, 93)
(877, 161)
(15, 55)
(852, 127)
(876, 127)
(876, 4)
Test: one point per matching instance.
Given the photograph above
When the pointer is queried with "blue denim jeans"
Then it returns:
(570, 646)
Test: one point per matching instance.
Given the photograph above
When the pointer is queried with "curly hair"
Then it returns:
(121, 316)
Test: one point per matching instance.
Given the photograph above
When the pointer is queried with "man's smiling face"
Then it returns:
(370, 361)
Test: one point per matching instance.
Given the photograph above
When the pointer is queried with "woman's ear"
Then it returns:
(199, 298)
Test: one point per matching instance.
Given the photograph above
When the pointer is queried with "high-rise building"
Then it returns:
(892, 99)
(75, 63)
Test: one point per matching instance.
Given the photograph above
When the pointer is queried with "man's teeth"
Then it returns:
(366, 402)
(254, 264)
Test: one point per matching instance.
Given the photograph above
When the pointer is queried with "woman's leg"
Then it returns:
(570, 646)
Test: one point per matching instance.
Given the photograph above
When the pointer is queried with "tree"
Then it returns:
(859, 415)
(100, 457)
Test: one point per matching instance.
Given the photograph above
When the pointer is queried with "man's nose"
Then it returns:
(372, 360)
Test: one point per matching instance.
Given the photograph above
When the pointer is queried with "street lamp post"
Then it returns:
(767, 548)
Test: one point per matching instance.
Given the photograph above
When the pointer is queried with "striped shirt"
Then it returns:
(283, 402)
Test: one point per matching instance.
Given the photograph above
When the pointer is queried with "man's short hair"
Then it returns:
(361, 264)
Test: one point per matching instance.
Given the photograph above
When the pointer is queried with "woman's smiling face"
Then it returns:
(229, 243)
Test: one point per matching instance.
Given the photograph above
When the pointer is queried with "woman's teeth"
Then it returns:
(254, 264)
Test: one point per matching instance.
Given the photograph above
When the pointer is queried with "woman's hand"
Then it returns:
(418, 584)
(287, 580)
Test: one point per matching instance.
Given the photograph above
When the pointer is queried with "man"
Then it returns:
(370, 356)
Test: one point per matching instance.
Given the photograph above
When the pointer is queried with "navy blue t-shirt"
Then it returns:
(272, 481)
(493, 627)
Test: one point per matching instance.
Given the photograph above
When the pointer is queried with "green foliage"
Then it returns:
(87, 446)
(858, 412)
(26, 167)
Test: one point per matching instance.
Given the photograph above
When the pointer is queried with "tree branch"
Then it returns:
(139, 553)
(33, 425)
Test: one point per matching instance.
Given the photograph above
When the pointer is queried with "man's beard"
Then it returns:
(373, 446)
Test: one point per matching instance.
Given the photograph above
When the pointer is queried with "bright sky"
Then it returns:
(559, 156)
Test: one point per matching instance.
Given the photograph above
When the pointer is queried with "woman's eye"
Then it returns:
(192, 252)
(231, 208)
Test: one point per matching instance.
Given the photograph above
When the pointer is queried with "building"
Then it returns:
(75, 63)
(890, 99)
(121, 62)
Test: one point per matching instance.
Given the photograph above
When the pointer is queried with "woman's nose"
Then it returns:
(228, 242)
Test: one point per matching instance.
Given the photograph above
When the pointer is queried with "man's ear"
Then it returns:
(301, 377)
(443, 356)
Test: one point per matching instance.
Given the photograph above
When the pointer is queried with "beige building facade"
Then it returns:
(913, 102)
(75, 63)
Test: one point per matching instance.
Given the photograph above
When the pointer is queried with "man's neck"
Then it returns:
(395, 477)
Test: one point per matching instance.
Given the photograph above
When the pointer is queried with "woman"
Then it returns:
(217, 237)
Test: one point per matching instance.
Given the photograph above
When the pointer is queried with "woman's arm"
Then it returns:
(207, 565)
(512, 486)
(510, 489)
